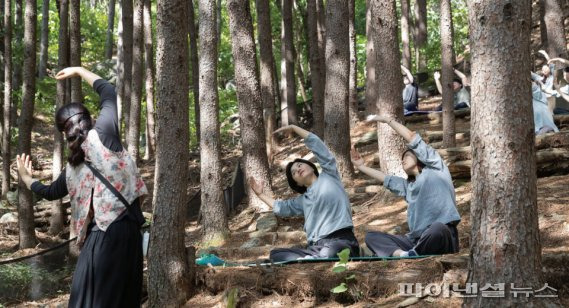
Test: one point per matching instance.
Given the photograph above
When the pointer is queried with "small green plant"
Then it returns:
(341, 267)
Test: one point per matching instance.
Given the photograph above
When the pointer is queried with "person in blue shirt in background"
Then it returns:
(431, 204)
(323, 202)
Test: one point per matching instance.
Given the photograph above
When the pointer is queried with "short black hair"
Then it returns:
(566, 69)
(457, 80)
(419, 163)
(291, 182)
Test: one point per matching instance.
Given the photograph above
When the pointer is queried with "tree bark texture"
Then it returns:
(110, 29)
(390, 85)
(556, 40)
(405, 36)
(336, 114)
(447, 73)
(125, 71)
(420, 25)
(195, 66)
(505, 245)
(420, 33)
(17, 63)
(75, 48)
(353, 83)
(288, 86)
(25, 207)
(168, 281)
(255, 160)
(267, 64)
(214, 216)
(316, 68)
(137, 72)
(149, 82)
(371, 81)
(6, 125)
(57, 219)
(44, 43)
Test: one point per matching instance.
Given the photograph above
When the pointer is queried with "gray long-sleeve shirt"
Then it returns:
(325, 204)
(430, 197)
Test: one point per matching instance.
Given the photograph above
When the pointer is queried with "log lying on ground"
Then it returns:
(561, 120)
(549, 161)
(315, 280)
(431, 137)
(435, 117)
(552, 140)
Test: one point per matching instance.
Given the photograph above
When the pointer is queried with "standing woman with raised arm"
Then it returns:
(323, 202)
(431, 206)
(109, 268)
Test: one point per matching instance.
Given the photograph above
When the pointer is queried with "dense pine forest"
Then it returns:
(290, 153)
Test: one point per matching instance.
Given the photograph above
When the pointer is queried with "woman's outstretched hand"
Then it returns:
(24, 164)
(284, 129)
(68, 72)
(357, 159)
(378, 118)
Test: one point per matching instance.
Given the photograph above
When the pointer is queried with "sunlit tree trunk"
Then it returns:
(447, 73)
(26, 205)
(505, 244)
(390, 85)
(168, 269)
(336, 114)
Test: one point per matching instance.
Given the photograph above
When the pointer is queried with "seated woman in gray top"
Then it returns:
(461, 94)
(323, 203)
(410, 92)
(431, 207)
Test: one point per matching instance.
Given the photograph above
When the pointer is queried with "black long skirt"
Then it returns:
(109, 268)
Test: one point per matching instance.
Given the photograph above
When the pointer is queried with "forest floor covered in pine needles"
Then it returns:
(307, 285)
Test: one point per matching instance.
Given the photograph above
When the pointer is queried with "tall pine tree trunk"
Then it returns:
(556, 40)
(214, 216)
(371, 81)
(149, 82)
(75, 48)
(316, 68)
(420, 33)
(288, 89)
(125, 63)
(57, 219)
(6, 125)
(336, 115)
(42, 66)
(110, 29)
(192, 32)
(447, 73)
(136, 96)
(299, 35)
(168, 269)
(505, 245)
(18, 46)
(390, 85)
(255, 161)
(26, 205)
(353, 83)
(266, 69)
(405, 37)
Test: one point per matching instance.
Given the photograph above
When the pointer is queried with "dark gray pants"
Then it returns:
(327, 247)
(438, 239)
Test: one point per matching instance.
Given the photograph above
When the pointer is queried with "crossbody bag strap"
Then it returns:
(108, 184)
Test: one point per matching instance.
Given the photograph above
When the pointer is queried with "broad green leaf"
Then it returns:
(339, 289)
(344, 255)
(339, 268)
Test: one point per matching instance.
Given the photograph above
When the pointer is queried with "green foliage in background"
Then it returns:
(93, 31)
